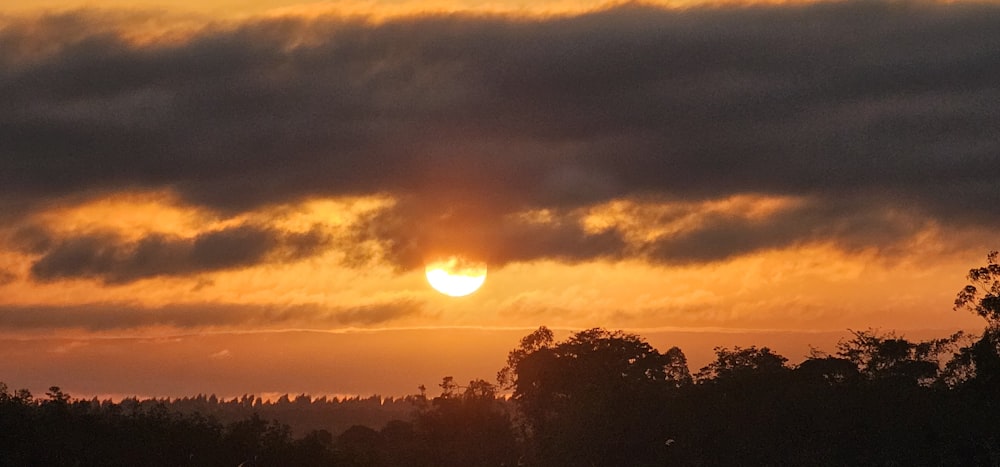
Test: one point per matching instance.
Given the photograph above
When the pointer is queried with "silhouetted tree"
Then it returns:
(359, 446)
(541, 338)
(467, 428)
(402, 445)
(597, 398)
(828, 370)
(982, 295)
(732, 413)
(979, 363)
(889, 357)
(741, 363)
(56, 396)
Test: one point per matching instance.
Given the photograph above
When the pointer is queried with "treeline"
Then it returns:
(57, 431)
(609, 399)
(303, 413)
(598, 398)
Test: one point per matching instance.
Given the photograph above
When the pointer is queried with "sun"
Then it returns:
(456, 276)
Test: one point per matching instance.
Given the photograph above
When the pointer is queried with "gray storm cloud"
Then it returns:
(862, 108)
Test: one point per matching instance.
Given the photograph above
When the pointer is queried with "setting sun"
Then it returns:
(456, 276)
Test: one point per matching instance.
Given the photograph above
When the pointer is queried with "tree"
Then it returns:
(56, 396)
(596, 398)
(467, 428)
(828, 370)
(980, 362)
(982, 295)
(884, 357)
(541, 338)
(741, 363)
(359, 446)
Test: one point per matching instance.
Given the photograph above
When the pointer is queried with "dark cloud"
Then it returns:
(117, 316)
(6, 277)
(30, 239)
(476, 118)
(850, 224)
(409, 236)
(112, 259)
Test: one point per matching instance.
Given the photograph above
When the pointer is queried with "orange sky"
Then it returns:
(168, 232)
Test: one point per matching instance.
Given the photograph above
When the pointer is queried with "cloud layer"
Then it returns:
(114, 260)
(123, 316)
(879, 117)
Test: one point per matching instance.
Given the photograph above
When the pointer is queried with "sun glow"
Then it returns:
(456, 276)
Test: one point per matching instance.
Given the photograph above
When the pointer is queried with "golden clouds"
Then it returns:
(645, 221)
(372, 9)
(629, 165)
(128, 214)
(132, 241)
(814, 285)
(376, 10)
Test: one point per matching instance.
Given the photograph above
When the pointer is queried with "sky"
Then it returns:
(240, 197)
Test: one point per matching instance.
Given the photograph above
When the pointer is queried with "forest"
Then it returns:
(597, 398)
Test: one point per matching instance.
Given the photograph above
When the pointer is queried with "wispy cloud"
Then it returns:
(124, 316)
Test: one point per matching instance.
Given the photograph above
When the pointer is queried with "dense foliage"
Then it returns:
(598, 398)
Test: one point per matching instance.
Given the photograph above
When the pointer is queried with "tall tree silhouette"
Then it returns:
(982, 295)
(597, 398)
(981, 360)
(467, 427)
